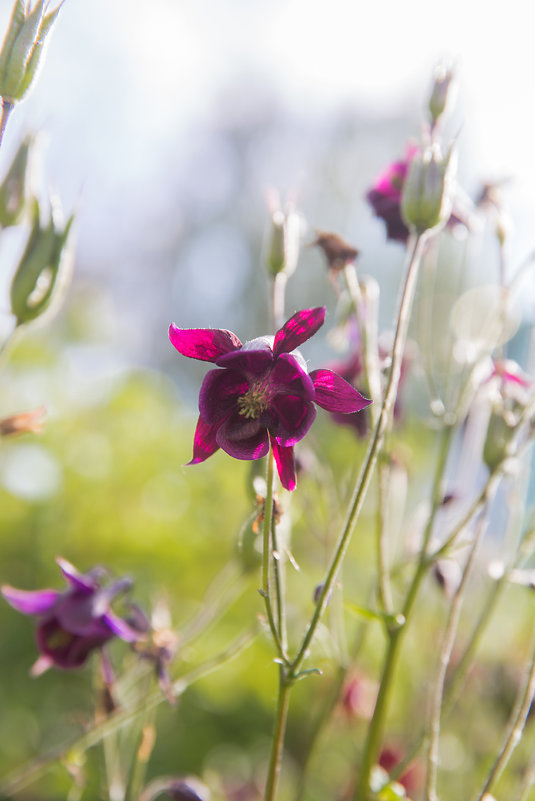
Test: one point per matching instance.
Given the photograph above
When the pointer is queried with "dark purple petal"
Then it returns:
(243, 438)
(285, 461)
(77, 615)
(76, 579)
(37, 602)
(288, 377)
(121, 628)
(251, 363)
(335, 394)
(388, 209)
(65, 649)
(219, 392)
(292, 418)
(204, 441)
(206, 344)
(298, 329)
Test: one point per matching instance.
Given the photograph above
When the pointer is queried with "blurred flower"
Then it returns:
(508, 387)
(261, 394)
(351, 369)
(162, 645)
(411, 779)
(74, 622)
(385, 197)
(187, 788)
(359, 695)
(22, 423)
(337, 252)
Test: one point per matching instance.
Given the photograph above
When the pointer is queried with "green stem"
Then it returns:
(266, 554)
(395, 635)
(373, 449)
(386, 603)
(279, 731)
(6, 107)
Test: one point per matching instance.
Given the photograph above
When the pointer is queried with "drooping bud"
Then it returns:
(283, 250)
(427, 196)
(23, 48)
(441, 93)
(44, 268)
(337, 252)
(14, 188)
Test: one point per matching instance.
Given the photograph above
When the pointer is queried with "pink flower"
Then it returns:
(260, 393)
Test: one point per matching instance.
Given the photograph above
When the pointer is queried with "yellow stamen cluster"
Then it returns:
(253, 403)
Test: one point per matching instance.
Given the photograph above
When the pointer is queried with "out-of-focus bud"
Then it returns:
(23, 47)
(441, 93)
(23, 423)
(447, 573)
(337, 252)
(14, 187)
(44, 268)
(499, 434)
(427, 197)
(283, 250)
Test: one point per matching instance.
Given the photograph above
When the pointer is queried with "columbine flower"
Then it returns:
(260, 393)
(74, 622)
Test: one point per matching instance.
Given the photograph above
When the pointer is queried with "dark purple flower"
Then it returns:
(260, 393)
(74, 622)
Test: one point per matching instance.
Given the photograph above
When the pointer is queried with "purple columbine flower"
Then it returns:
(385, 196)
(260, 393)
(74, 622)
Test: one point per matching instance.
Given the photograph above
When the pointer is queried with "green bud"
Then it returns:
(426, 199)
(44, 268)
(284, 242)
(499, 434)
(441, 92)
(23, 47)
(14, 188)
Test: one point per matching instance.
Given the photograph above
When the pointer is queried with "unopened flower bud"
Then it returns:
(14, 187)
(499, 434)
(441, 92)
(23, 47)
(427, 196)
(44, 268)
(284, 242)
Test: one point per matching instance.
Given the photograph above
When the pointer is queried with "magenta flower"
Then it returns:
(74, 622)
(385, 196)
(260, 393)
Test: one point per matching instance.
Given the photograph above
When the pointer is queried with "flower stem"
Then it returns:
(395, 635)
(266, 554)
(373, 449)
(279, 731)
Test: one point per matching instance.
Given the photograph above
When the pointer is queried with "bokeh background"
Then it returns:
(166, 125)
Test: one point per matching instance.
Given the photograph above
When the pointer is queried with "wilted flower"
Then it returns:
(74, 622)
(22, 423)
(337, 252)
(261, 393)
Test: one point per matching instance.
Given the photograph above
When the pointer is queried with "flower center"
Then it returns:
(254, 402)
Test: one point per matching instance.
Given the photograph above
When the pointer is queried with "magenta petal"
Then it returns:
(74, 577)
(298, 329)
(121, 628)
(204, 441)
(243, 439)
(288, 377)
(219, 393)
(294, 416)
(206, 344)
(285, 461)
(335, 394)
(33, 602)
